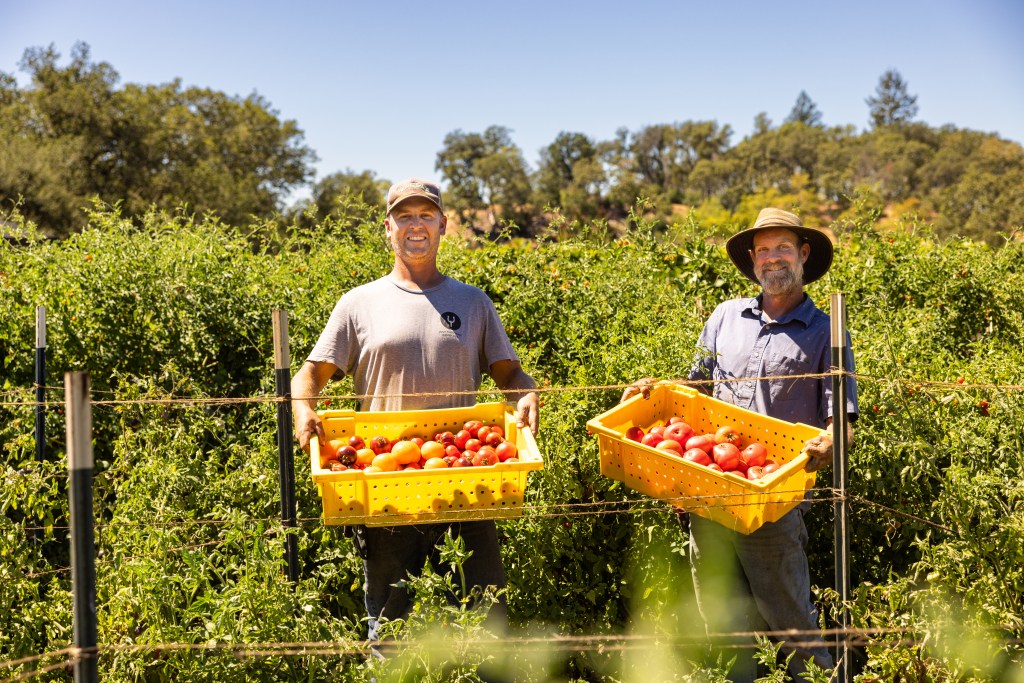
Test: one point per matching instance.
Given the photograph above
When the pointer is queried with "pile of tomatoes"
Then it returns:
(721, 451)
(475, 445)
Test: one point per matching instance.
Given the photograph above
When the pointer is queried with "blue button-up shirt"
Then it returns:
(741, 341)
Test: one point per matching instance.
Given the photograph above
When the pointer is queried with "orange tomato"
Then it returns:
(330, 448)
(365, 456)
(435, 464)
(406, 452)
(370, 469)
(385, 462)
(431, 449)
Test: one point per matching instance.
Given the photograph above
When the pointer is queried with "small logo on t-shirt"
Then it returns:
(451, 320)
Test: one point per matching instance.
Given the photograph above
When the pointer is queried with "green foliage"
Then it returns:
(186, 493)
(74, 135)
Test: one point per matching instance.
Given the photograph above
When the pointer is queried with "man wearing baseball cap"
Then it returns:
(776, 334)
(415, 339)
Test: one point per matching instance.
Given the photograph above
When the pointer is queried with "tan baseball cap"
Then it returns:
(414, 187)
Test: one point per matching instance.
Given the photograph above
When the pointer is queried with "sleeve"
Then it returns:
(338, 343)
(496, 345)
(704, 363)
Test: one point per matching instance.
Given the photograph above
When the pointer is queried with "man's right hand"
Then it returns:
(641, 386)
(308, 423)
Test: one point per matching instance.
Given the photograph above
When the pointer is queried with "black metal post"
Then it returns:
(83, 550)
(285, 449)
(40, 432)
(40, 383)
(840, 467)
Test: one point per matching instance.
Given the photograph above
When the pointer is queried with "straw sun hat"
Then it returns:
(819, 239)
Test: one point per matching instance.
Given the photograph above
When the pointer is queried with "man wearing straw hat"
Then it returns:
(415, 339)
(776, 334)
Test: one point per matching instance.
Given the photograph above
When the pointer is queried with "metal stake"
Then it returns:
(840, 466)
(285, 449)
(83, 550)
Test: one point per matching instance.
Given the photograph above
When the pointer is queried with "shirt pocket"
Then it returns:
(782, 365)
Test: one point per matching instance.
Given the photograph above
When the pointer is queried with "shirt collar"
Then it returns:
(803, 313)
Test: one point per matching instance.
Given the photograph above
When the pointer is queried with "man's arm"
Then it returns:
(516, 383)
(307, 384)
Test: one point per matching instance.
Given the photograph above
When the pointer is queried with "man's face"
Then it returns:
(415, 227)
(779, 259)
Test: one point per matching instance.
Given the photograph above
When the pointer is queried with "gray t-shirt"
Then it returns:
(395, 341)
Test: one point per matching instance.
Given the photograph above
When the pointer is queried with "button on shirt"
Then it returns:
(742, 342)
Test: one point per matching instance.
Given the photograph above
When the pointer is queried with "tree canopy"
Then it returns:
(74, 135)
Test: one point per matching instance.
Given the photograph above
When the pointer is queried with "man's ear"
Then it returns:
(805, 252)
(444, 223)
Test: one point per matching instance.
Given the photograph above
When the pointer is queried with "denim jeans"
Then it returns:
(395, 553)
(757, 582)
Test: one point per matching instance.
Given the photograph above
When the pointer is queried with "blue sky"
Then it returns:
(378, 85)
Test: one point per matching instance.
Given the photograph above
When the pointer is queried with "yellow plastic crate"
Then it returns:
(728, 499)
(421, 496)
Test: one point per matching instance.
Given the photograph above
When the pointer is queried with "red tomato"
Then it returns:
(754, 455)
(755, 472)
(770, 466)
(451, 450)
(698, 456)
(472, 426)
(462, 437)
(356, 442)
(714, 466)
(485, 456)
(726, 455)
(497, 428)
(379, 444)
(675, 418)
(506, 450)
(670, 445)
(417, 440)
(493, 439)
(445, 438)
(482, 434)
(658, 431)
(727, 434)
(462, 462)
(634, 433)
(678, 431)
(473, 445)
(346, 455)
(650, 439)
(705, 442)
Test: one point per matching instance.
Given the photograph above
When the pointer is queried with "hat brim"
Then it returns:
(411, 195)
(819, 261)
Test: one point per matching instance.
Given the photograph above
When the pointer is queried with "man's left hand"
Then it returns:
(819, 451)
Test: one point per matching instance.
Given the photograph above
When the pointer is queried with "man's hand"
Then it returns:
(528, 413)
(819, 449)
(308, 423)
(641, 386)
(307, 384)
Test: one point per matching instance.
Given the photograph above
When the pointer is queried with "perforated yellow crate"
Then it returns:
(726, 498)
(420, 496)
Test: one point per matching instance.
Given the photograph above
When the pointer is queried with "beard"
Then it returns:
(782, 281)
